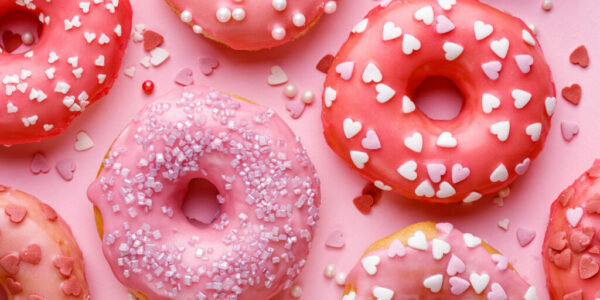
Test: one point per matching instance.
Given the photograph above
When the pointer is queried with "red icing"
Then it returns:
(572, 93)
(32, 254)
(15, 213)
(71, 287)
(439, 161)
(11, 41)
(64, 265)
(29, 115)
(10, 263)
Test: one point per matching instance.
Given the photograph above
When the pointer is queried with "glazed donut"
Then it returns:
(39, 257)
(74, 64)
(371, 122)
(252, 24)
(572, 245)
(434, 261)
(269, 195)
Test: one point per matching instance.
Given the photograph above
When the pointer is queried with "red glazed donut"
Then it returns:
(572, 245)
(252, 24)
(429, 261)
(371, 122)
(39, 257)
(73, 65)
(268, 188)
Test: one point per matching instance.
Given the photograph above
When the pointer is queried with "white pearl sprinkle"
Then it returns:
(27, 38)
(299, 20)
(296, 291)
(223, 14)
(308, 97)
(238, 14)
(278, 33)
(547, 4)
(340, 278)
(290, 90)
(330, 7)
(329, 271)
(279, 5)
(186, 16)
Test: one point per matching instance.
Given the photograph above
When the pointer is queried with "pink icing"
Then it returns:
(73, 65)
(268, 188)
(416, 274)
(252, 24)
(28, 246)
(506, 114)
(572, 242)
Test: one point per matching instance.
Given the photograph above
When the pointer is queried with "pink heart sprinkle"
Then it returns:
(492, 69)
(524, 62)
(458, 285)
(396, 249)
(444, 25)
(501, 262)
(522, 168)
(436, 171)
(497, 292)
(208, 65)
(525, 236)
(569, 130)
(345, 70)
(459, 173)
(296, 108)
(335, 240)
(39, 164)
(371, 142)
(444, 227)
(65, 169)
(455, 266)
(185, 77)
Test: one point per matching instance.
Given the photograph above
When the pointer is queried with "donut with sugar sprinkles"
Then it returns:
(39, 257)
(252, 24)
(74, 64)
(269, 195)
(434, 261)
(372, 123)
(571, 247)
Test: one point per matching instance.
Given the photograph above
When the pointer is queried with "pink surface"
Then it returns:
(562, 30)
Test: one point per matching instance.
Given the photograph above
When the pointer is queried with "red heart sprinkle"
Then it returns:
(558, 241)
(579, 241)
(14, 287)
(71, 287)
(373, 191)
(10, 263)
(325, 63)
(35, 297)
(594, 250)
(593, 207)
(32, 254)
(152, 40)
(566, 196)
(580, 57)
(15, 213)
(563, 259)
(11, 41)
(64, 265)
(49, 212)
(577, 295)
(572, 93)
(588, 268)
(364, 203)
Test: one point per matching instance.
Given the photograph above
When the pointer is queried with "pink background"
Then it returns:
(568, 25)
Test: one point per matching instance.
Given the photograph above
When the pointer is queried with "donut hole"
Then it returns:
(200, 204)
(439, 98)
(20, 31)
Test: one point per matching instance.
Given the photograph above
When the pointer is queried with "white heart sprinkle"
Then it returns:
(534, 130)
(351, 128)
(531, 294)
(436, 171)
(89, 37)
(492, 69)
(370, 264)
(479, 282)
(446, 140)
(504, 224)
(350, 296)
(99, 61)
(361, 26)
(158, 56)
(85, 7)
(472, 197)
(345, 69)
(439, 248)
(73, 61)
(524, 62)
(408, 170)
(446, 190)
(359, 158)
(482, 30)
(574, 216)
(471, 241)
(489, 102)
(453, 50)
(550, 105)
(329, 96)
(83, 142)
(521, 97)
(11, 108)
(385, 93)
(414, 142)
(390, 31)
(446, 4)
(528, 38)
(410, 44)
(48, 127)
(418, 241)
(382, 186)
(434, 283)
(408, 105)
(500, 174)
(425, 14)
(425, 190)
(381, 293)
(500, 47)
(501, 130)
(372, 74)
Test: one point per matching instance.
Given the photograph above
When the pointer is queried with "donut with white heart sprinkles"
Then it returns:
(371, 120)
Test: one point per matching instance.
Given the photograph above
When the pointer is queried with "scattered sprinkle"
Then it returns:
(296, 108)
(504, 224)
(185, 77)
(569, 130)
(148, 87)
(364, 203)
(277, 77)
(39, 164)
(580, 57)
(572, 93)
(325, 63)
(65, 169)
(83, 141)
(335, 240)
(208, 65)
(525, 236)
(152, 40)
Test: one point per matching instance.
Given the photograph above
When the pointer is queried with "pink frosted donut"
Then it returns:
(430, 261)
(572, 245)
(371, 122)
(268, 188)
(73, 65)
(252, 24)
(39, 257)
